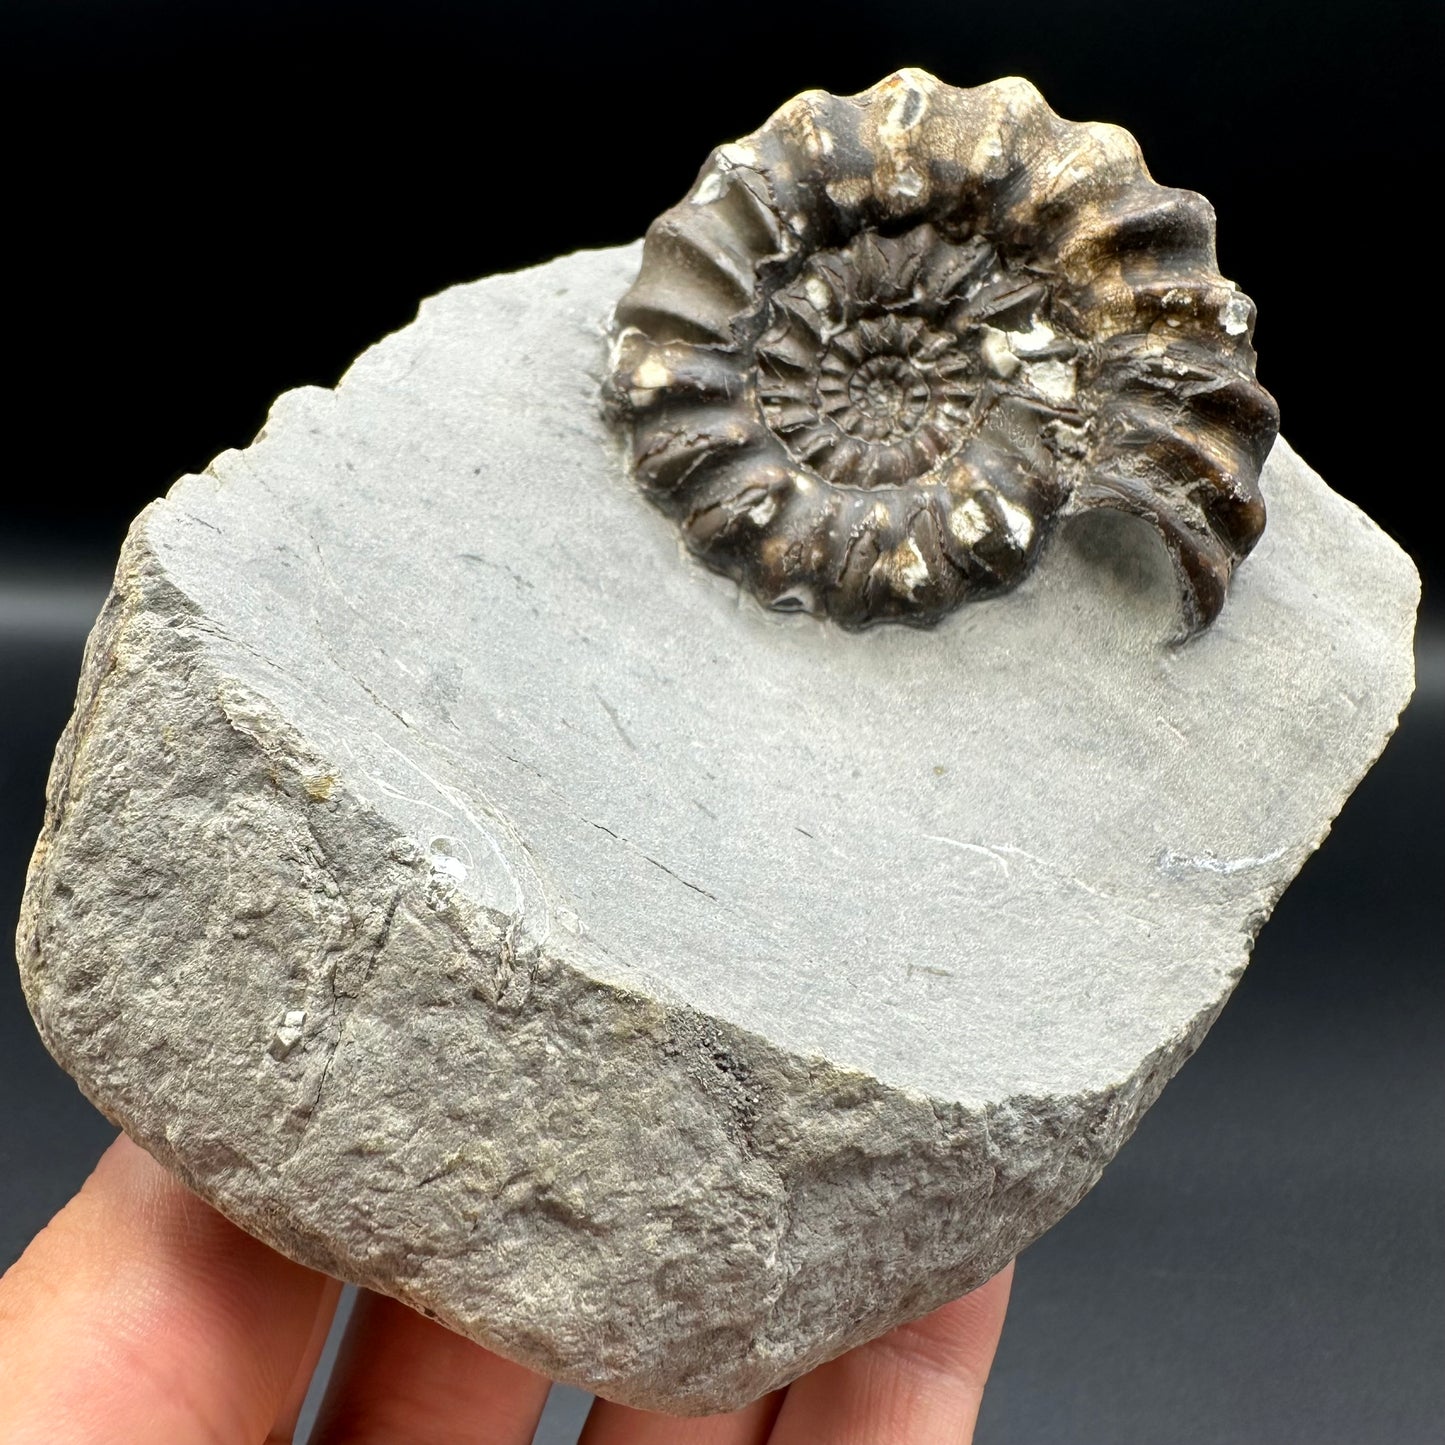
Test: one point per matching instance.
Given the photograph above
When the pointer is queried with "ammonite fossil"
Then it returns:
(889, 340)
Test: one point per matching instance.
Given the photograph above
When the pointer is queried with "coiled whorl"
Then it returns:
(888, 340)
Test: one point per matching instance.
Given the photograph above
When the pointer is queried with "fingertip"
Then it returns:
(921, 1381)
(140, 1313)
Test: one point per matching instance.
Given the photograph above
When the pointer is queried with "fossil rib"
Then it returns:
(888, 340)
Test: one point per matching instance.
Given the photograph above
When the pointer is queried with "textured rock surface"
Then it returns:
(476, 897)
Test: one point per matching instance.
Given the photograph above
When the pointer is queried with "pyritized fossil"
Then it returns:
(889, 340)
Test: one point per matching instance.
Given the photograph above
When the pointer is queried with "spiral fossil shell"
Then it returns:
(889, 340)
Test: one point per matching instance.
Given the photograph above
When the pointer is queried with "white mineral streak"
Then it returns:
(474, 897)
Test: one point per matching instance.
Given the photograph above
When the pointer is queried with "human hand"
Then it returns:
(140, 1316)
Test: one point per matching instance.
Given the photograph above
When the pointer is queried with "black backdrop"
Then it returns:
(218, 200)
(214, 201)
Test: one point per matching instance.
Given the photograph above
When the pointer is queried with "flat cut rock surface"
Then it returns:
(475, 897)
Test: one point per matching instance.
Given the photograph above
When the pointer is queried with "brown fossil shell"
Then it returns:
(888, 340)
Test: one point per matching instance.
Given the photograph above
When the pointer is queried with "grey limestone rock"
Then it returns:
(474, 896)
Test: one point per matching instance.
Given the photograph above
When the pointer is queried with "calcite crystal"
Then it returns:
(474, 896)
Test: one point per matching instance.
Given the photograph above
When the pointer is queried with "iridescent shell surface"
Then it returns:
(888, 341)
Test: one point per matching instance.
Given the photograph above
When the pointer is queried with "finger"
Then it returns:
(401, 1376)
(139, 1314)
(283, 1432)
(609, 1424)
(921, 1384)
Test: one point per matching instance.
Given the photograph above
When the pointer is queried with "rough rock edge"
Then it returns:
(1044, 1154)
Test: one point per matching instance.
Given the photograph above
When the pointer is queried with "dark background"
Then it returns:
(216, 201)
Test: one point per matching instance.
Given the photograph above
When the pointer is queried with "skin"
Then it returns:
(139, 1314)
